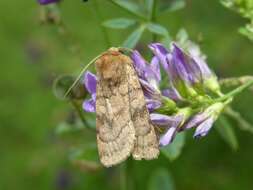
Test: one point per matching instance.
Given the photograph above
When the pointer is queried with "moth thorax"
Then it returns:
(111, 70)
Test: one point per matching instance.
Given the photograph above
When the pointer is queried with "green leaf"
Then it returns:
(177, 5)
(172, 6)
(226, 132)
(131, 7)
(119, 23)
(161, 180)
(149, 6)
(158, 29)
(173, 150)
(134, 37)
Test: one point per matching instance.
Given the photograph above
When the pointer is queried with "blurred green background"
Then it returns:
(34, 157)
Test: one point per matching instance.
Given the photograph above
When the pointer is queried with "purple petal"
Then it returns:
(189, 64)
(195, 120)
(89, 105)
(90, 81)
(168, 137)
(172, 69)
(139, 63)
(204, 128)
(45, 2)
(205, 70)
(160, 52)
(172, 93)
(200, 60)
(155, 67)
(148, 90)
(178, 65)
(153, 104)
(162, 120)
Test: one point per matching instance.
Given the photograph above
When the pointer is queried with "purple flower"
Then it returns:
(203, 121)
(178, 75)
(186, 66)
(45, 2)
(171, 125)
(139, 64)
(149, 77)
(188, 75)
(172, 93)
(149, 74)
(160, 52)
(209, 79)
(195, 52)
(152, 104)
(196, 120)
(186, 71)
(204, 128)
(161, 120)
(90, 82)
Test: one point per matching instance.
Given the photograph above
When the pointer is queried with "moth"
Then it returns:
(122, 120)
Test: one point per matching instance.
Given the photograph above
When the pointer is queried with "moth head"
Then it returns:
(109, 66)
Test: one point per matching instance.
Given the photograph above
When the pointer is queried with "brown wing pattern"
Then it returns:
(115, 130)
(146, 143)
(123, 124)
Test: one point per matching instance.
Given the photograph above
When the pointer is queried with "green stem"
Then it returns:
(80, 114)
(127, 10)
(123, 177)
(153, 19)
(99, 20)
(235, 91)
(235, 81)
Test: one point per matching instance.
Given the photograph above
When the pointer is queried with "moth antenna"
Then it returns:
(87, 66)
(126, 49)
(81, 73)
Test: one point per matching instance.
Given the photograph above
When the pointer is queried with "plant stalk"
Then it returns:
(235, 91)
(123, 176)
(80, 114)
(153, 19)
(99, 20)
(130, 12)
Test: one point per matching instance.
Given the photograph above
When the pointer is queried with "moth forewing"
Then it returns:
(115, 130)
(146, 143)
(123, 124)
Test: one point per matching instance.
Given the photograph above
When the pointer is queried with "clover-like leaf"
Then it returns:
(171, 6)
(157, 29)
(129, 6)
(119, 23)
(149, 6)
(134, 37)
